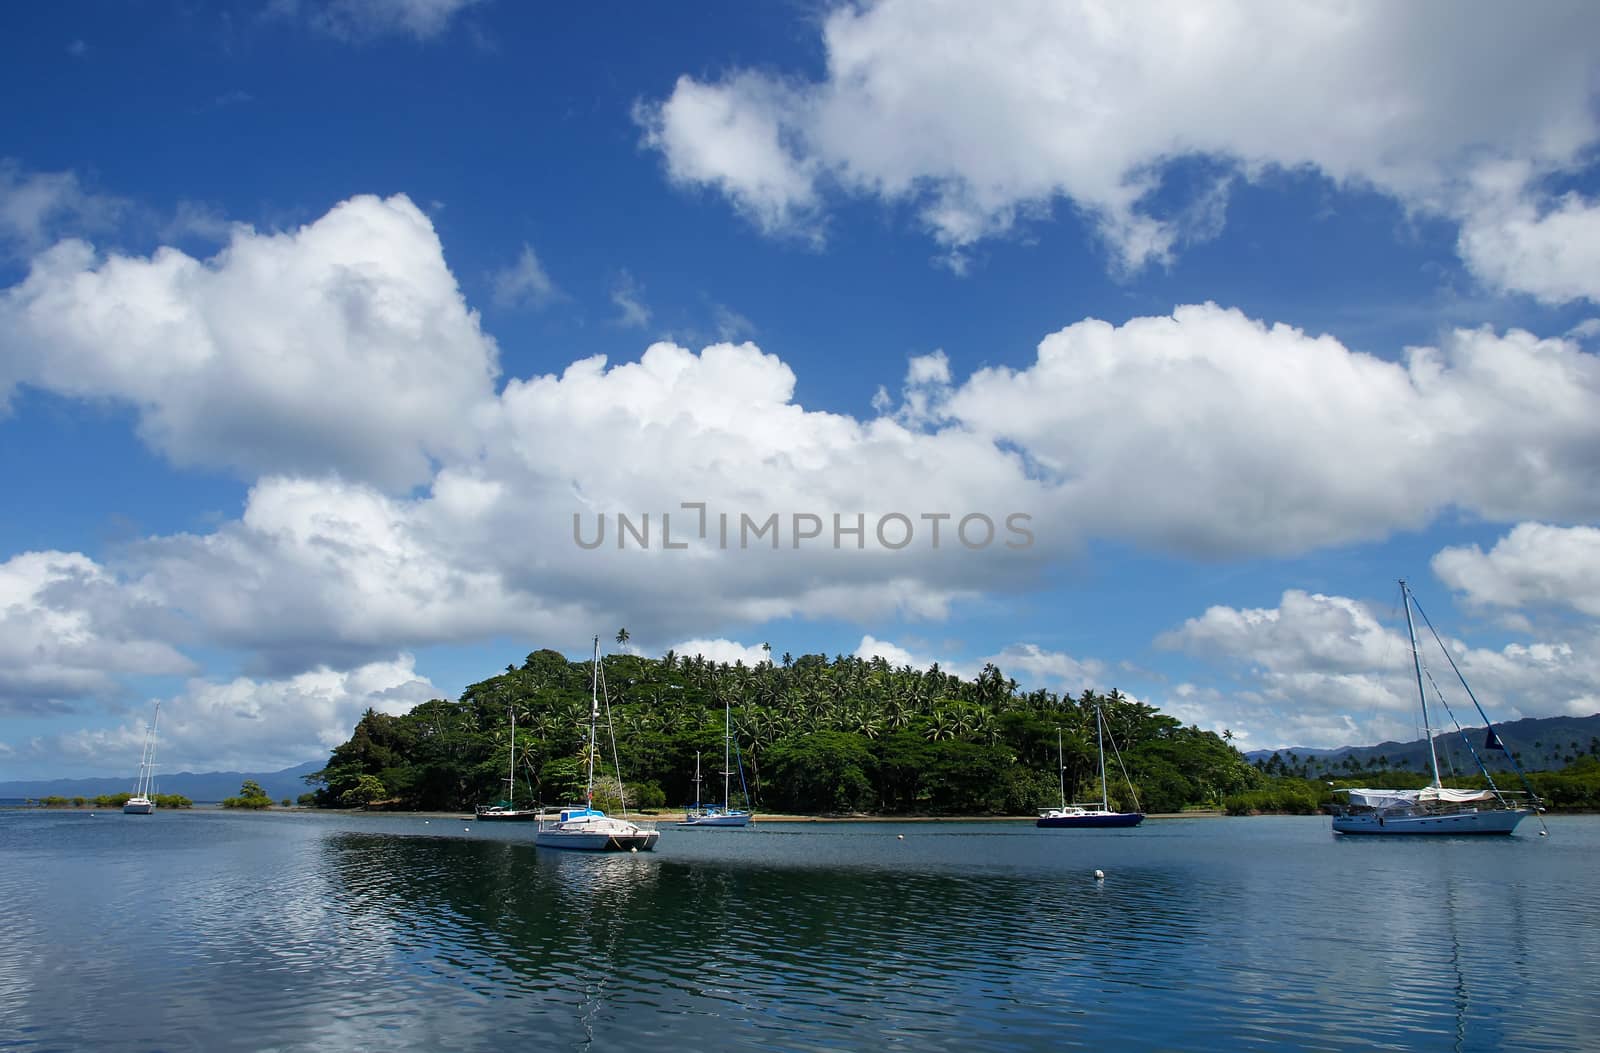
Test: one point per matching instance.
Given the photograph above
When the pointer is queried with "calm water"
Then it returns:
(215, 931)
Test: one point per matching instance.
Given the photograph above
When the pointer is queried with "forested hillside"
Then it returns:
(811, 735)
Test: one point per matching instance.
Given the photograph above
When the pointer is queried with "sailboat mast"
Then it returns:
(1061, 769)
(594, 718)
(1100, 733)
(1416, 662)
(144, 762)
(727, 737)
(511, 765)
(155, 723)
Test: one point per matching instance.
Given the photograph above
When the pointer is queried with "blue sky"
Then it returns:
(322, 320)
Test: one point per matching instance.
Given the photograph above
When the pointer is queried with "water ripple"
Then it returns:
(221, 932)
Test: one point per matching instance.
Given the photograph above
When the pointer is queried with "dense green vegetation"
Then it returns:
(114, 800)
(251, 795)
(1575, 787)
(814, 736)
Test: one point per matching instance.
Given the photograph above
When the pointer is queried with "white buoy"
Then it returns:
(900, 837)
(1099, 875)
(634, 849)
(424, 822)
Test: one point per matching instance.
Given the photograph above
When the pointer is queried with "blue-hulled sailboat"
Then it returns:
(1086, 816)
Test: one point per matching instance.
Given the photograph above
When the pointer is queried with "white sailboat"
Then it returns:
(1434, 809)
(714, 816)
(506, 811)
(584, 827)
(142, 802)
(1085, 816)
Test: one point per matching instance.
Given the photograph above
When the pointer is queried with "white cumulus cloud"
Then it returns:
(977, 116)
(253, 724)
(1534, 564)
(344, 345)
(69, 631)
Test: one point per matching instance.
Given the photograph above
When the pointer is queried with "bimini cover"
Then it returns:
(1406, 798)
(1440, 793)
(1382, 798)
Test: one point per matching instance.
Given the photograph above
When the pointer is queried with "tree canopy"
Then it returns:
(812, 736)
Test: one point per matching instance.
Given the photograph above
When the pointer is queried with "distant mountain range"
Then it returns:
(200, 787)
(1539, 743)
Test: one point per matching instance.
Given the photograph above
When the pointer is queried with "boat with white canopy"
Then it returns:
(1436, 808)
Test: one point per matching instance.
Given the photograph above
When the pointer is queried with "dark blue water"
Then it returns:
(214, 931)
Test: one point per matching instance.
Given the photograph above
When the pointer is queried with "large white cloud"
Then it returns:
(722, 651)
(329, 571)
(1031, 664)
(1200, 432)
(1553, 255)
(1209, 432)
(975, 115)
(247, 724)
(342, 346)
(1323, 670)
(1535, 564)
(69, 631)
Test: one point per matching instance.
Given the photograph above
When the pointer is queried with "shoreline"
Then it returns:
(653, 817)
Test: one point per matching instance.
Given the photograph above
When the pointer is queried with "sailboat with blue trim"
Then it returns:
(1086, 816)
(584, 827)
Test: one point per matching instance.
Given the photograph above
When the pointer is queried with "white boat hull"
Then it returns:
(139, 806)
(1491, 821)
(579, 841)
(582, 830)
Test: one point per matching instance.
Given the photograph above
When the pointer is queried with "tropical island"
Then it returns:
(813, 736)
(810, 736)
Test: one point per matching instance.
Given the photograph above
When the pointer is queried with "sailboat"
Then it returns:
(714, 816)
(142, 802)
(506, 811)
(1436, 809)
(1083, 815)
(585, 827)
